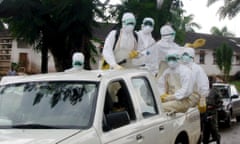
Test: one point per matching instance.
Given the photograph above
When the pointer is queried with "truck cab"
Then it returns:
(97, 107)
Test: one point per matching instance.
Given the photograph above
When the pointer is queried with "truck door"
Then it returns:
(155, 127)
(119, 119)
(235, 101)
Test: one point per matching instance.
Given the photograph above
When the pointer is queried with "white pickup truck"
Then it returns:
(90, 107)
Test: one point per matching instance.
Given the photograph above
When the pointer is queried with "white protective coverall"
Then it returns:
(200, 79)
(77, 62)
(145, 41)
(199, 76)
(159, 50)
(176, 82)
(125, 44)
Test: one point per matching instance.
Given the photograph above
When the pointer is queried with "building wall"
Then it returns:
(209, 66)
(34, 58)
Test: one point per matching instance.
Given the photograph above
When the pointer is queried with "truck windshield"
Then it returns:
(47, 105)
(224, 91)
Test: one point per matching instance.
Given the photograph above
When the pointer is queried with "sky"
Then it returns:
(207, 17)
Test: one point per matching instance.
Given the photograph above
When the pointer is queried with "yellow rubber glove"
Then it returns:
(117, 67)
(202, 106)
(163, 97)
(133, 54)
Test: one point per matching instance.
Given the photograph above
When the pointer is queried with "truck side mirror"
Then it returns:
(234, 96)
(117, 119)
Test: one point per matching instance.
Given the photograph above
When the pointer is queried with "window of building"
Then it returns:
(202, 57)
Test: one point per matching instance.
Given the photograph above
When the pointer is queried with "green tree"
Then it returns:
(221, 32)
(180, 22)
(229, 9)
(224, 56)
(63, 27)
(1, 25)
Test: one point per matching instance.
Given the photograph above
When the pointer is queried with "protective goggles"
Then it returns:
(129, 22)
(170, 34)
(148, 23)
(172, 58)
(186, 54)
(77, 63)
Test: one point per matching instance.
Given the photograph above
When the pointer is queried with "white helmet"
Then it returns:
(77, 59)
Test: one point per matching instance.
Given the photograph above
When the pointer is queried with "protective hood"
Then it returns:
(37, 136)
(189, 51)
(128, 19)
(172, 58)
(167, 33)
(187, 55)
(78, 60)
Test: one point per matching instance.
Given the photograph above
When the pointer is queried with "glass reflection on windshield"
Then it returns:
(47, 104)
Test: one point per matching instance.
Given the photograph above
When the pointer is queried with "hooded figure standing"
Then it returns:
(159, 50)
(176, 85)
(77, 62)
(145, 41)
(119, 51)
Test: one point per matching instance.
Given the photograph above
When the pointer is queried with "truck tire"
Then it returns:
(182, 139)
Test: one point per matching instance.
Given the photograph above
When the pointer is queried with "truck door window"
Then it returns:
(117, 102)
(145, 96)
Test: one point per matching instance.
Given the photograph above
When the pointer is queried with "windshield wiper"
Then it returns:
(34, 126)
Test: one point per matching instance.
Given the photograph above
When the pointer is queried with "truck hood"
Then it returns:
(25, 136)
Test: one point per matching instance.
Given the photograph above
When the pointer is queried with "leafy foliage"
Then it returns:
(63, 27)
(229, 9)
(221, 32)
(224, 56)
(1, 25)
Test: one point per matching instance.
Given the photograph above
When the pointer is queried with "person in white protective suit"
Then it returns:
(200, 79)
(176, 85)
(159, 50)
(199, 76)
(120, 54)
(145, 41)
(77, 62)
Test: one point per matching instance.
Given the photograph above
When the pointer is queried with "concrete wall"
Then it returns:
(211, 68)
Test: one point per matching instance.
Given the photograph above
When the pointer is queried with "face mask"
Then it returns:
(129, 28)
(147, 29)
(186, 59)
(172, 64)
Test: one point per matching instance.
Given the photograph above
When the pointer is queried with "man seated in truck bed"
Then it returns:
(176, 86)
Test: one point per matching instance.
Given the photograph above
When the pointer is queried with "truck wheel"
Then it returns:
(182, 139)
